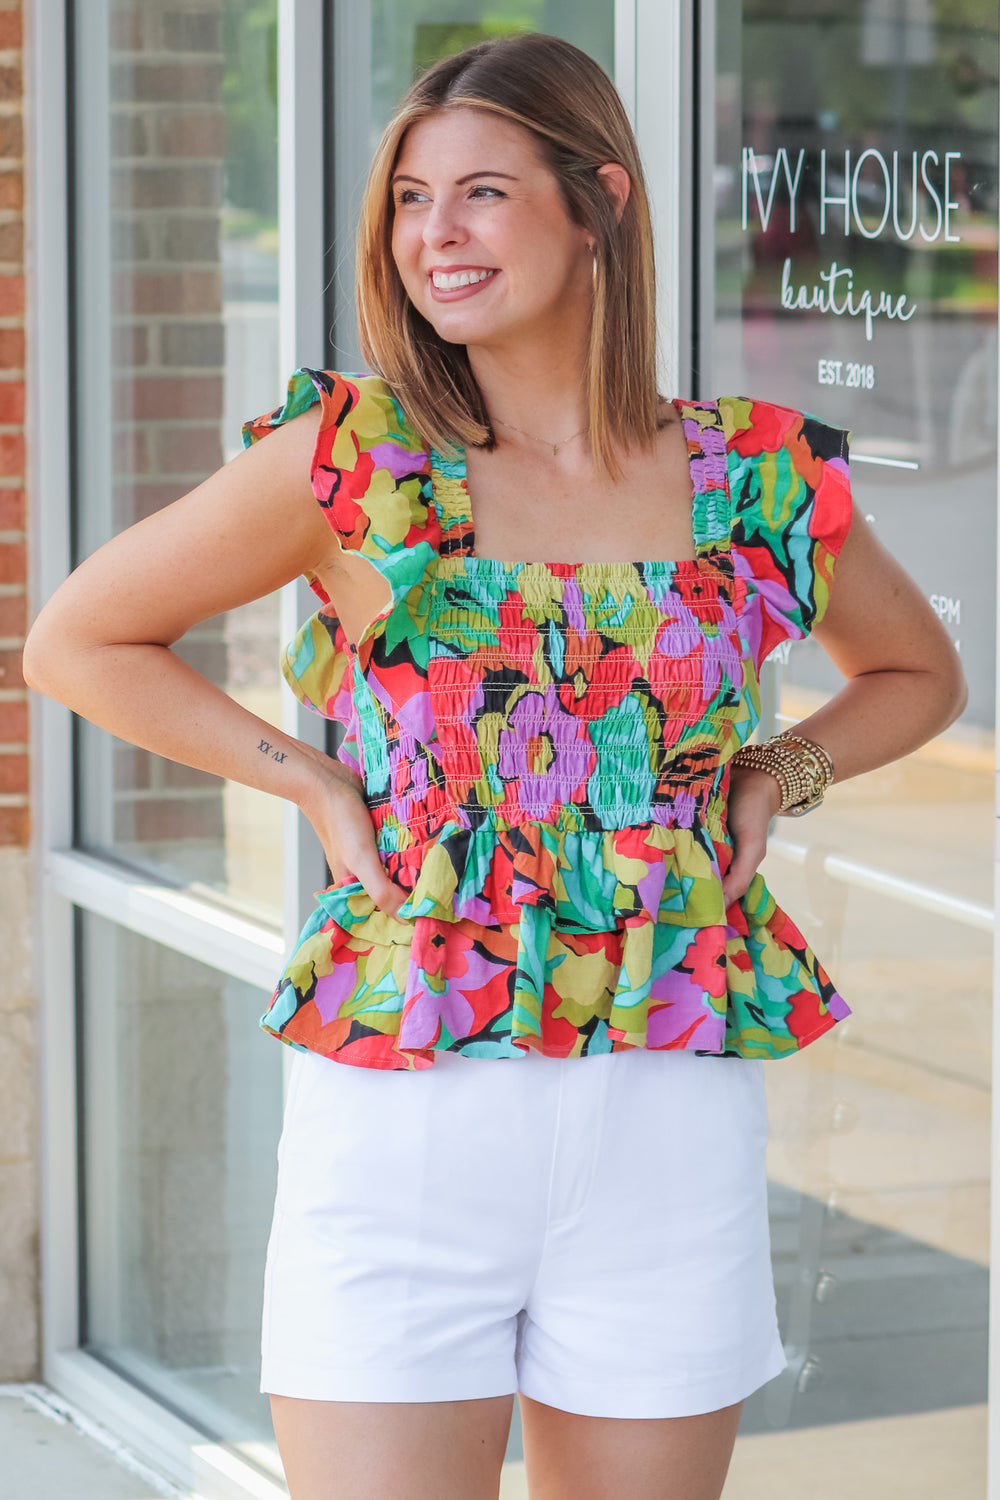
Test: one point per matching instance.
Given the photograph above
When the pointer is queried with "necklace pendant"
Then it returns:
(555, 449)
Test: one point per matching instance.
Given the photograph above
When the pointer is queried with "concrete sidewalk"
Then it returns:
(48, 1451)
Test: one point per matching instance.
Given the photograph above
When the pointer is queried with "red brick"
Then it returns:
(10, 30)
(126, 30)
(171, 292)
(209, 657)
(11, 296)
(11, 134)
(177, 818)
(183, 32)
(11, 402)
(189, 450)
(10, 670)
(133, 502)
(13, 775)
(15, 826)
(187, 240)
(11, 190)
(11, 243)
(132, 768)
(131, 345)
(131, 451)
(13, 616)
(11, 514)
(11, 453)
(196, 185)
(13, 723)
(130, 135)
(10, 84)
(12, 568)
(168, 82)
(193, 134)
(175, 397)
(11, 348)
(184, 778)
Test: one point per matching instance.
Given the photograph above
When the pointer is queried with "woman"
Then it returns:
(542, 827)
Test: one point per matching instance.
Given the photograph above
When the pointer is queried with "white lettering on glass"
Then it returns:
(949, 157)
(932, 193)
(947, 609)
(918, 191)
(780, 161)
(836, 296)
(914, 201)
(853, 376)
(871, 234)
(828, 198)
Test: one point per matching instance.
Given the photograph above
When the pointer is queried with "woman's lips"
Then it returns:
(453, 291)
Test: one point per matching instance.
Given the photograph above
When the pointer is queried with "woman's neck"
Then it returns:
(539, 390)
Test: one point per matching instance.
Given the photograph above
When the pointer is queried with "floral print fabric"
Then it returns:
(545, 750)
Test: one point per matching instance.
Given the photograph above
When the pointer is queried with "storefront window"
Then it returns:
(409, 35)
(176, 344)
(182, 1104)
(854, 215)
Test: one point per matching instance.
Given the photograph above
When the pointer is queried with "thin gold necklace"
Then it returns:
(536, 439)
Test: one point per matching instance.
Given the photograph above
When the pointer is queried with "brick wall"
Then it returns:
(19, 1311)
(167, 148)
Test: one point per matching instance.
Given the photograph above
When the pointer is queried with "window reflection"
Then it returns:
(182, 1106)
(177, 343)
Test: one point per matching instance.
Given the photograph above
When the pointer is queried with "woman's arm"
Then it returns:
(102, 643)
(904, 685)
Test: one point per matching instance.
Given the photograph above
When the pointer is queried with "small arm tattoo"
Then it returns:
(266, 748)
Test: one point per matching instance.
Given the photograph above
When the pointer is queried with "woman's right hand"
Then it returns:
(334, 802)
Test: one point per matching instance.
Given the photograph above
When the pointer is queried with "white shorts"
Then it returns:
(591, 1231)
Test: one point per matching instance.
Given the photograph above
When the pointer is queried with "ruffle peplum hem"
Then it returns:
(555, 939)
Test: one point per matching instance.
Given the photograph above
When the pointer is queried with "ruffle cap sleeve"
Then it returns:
(791, 500)
(371, 475)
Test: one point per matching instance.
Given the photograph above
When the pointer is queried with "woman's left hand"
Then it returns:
(754, 798)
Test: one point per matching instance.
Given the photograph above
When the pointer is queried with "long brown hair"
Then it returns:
(568, 103)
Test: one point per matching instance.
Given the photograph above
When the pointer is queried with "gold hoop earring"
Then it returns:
(593, 265)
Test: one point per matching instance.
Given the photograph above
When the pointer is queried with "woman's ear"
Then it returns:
(618, 184)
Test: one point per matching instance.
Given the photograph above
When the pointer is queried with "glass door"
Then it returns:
(849, 267)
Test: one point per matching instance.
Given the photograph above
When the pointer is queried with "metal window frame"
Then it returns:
(657, 84)
(67, 880)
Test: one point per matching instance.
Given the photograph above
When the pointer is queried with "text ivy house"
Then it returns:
(862, 195)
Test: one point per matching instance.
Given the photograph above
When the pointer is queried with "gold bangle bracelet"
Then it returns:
(802, 769)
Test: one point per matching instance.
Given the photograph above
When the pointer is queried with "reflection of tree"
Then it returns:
(436, 40)
(250, 96)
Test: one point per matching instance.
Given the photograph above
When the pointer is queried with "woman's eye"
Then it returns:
(408, 195)
(483, 190)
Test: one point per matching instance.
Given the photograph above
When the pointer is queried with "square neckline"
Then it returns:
(613, 567)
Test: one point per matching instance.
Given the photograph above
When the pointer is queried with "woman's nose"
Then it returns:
(443, 226)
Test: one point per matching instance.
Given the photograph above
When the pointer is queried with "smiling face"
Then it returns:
(481, 236)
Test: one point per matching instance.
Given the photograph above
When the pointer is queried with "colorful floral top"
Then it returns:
(545, 749)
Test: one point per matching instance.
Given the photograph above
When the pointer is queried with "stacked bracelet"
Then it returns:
(802, 769)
